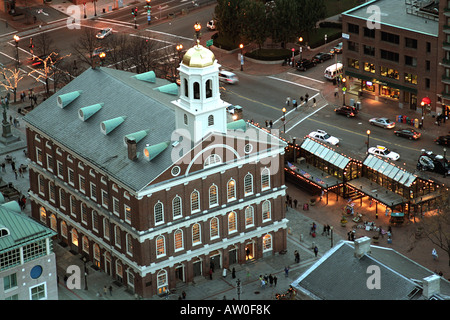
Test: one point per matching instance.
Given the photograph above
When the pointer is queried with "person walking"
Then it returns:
(233, 273)
(286, 272)
(105, 290)
(295, 203)
(434, 254)
(110, 290)
(270, 280)
(316, 251)
(275, 280)
(270, 124)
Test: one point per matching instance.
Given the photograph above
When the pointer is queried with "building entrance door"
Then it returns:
(249, 251)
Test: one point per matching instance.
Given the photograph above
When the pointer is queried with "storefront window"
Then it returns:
(411, 78)
(369, 67)
(389, 92)
(368, 85)
(389, 72)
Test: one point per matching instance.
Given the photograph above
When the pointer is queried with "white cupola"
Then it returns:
(199, 109)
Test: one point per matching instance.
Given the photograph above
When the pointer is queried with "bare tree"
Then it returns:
(43, 44)
(12, 79)
(85, 46)
(47, 69)
(437, 226)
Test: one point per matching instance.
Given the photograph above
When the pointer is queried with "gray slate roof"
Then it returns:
(339, 275)
(122, 95)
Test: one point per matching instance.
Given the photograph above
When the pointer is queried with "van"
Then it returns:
(228, 77)
(333, 71)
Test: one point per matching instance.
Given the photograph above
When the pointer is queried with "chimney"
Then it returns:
(362, 246)
(132, 148)
(431, 286)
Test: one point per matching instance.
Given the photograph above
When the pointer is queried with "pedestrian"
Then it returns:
(267, 123)
(270, 124)
(328, 229)
(13, 166)
(210, 274)
(233, 273)
(434, 254)
(314, 102)
(183, 294)
(295, 203)
(110, 290)
(306, 98)
(15, 173)
(294, 104)
(324, 230)
(295, 256)
(105, 290)
(275, 280)
(20, 172)
(211, 265)
(3, 167)
(65, 279)
(270, 280)
(290, 202)
(316, 251)
(263, 284)
(288, 101)
(286, 272)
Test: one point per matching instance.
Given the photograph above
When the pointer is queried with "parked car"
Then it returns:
(321, 57)
(434, 163)
(36, 61)
(384, 152)
(211, 25)
(324, 137)
(411, 134)
(337, 48)
(443, 140)
(104, 33)
(99, 50)
(228, 77)
(346, 111)
(382, 122)
(304, 64)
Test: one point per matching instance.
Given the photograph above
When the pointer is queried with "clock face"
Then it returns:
(36, 272)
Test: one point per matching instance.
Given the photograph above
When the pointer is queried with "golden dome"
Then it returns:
(198, 57)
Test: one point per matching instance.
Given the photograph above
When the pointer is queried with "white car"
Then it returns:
(228, 77)
(384, 152)
(382, 122)
(103, 33)
(324, 137)
(211, 25)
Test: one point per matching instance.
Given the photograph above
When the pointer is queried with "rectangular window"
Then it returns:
(127, 213)
(52, 192)
(94, 220)
(9, 282)
(428, 47)
(84, 213)
(38, 292)
(427, 83)
(353, 28)
(93, 191)
(389, 55)
(369, 33)
(353, 46)
(82, 182)
(34, 250)
(105, 200)
(106, 229)
(116, 206)
(71, 176)
(60, 169)
(390, 37)
(410, 61)
(9, 259)
(369, 50)
(50, 163)
(353, 63)
(389, 72)
(38, 155)
(410, 78)
(410, 43)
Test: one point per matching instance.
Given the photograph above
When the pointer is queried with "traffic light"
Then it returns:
(134, 11)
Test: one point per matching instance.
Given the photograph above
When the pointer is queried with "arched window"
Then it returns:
(74, 234)
(85, 244)
(159, 213)
(232, 225)
(41, 184)
(265, 179)
(196, 90)
(208, 88)
(248, 184)
(176, 207)
(213, 199)
(64, 231)
(117, 236)
(195, 201)
(214, 228)
(52, 191)
(231, 190)
(97, 255)
(212, 160)
(196, 239)
(267, 243)
(178, 240)
(210, 120)
(266, 211)
(249, 217)
(160, 246)
(161, 282)
(186, 88)
(43, 214)
(53, 223)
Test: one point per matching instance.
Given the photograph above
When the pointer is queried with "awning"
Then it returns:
(325, 153)
(377, 192)
(389, 170)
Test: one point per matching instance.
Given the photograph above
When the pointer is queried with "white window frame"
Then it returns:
(265, 179)
(127, 213)
(249, 215)
(217, 231)
(195, 243)
(39, 155)
(71, 178)
(163, 254)
(215, 197)
(82, 186)
(248, 185)
(50, 160)
(264, 219)
(60, 169)
(264, 245)
(232, 224)
(231, 190)
(105, 199)
(116, 206)
(93, 194)
(178, 231)
(178, 206)
(158, 213)
(195, 207)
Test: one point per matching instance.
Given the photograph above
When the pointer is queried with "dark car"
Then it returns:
(443, 140)
(37, 62)
(304, 64)
(321, 57)
(408, 133)
(346, 111)
(428, 161)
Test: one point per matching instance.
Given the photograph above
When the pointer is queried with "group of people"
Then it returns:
(268, 279)
(302, 101)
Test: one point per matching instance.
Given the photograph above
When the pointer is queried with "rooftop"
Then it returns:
(402, 14)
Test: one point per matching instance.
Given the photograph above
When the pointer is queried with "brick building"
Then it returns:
(393, 50)
(149, 181)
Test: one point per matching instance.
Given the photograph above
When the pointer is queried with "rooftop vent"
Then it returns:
(86, 112)
(146, 76)
(64, 99)
(150, 152)
(109, 125)
(137, 136)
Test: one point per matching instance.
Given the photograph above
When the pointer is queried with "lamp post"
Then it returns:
(241, 46)
(179, 48)
(331, 228)
(300, 40)
(102, 57)
(95, 7)
(17, 39)
(368, 137)
(445, 151)
(284, 120)
(84, 9)
(344, 89)
(85, 274)
(238, 287)
(197, 28)
(423, 107)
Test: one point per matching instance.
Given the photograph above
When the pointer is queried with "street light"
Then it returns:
(17, 39)
(300, 40)
(241, 46)
(102, 57)
(368, 137)
(238, 287)
(344, 89)
(95, 7)
(284, 119)
(85, 274)
(84, 9)
(331, 229)
(445, 150)
(423, 106)
(197, 28)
